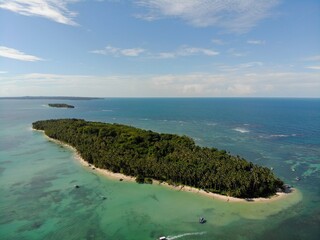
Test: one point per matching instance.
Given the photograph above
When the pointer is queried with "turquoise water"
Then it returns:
(37, 177)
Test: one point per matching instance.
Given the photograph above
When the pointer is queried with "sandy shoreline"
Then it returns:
(125, 178)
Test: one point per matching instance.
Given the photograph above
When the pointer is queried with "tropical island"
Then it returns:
(49, 97)
(169, 158)
(60, 105)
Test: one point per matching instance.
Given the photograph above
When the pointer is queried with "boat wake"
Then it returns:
(184, 235)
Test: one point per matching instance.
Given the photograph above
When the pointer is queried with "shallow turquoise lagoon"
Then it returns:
(37, 177)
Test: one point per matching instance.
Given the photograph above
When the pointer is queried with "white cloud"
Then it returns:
(236, 53)
(201, 84)
(240, 67)
(218, 41)
(240, 90)
(256, 42)
(182, 51)
(255, 84)
(187, 51)
(312, 58)
(228, 84)
(55, 10)
(235, 16)
(46, 84)
(3, 72)
(314, 67)
(16, 54)
(132, 52)
(114, 51)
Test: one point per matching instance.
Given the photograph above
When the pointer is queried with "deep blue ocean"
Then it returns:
(38, 201)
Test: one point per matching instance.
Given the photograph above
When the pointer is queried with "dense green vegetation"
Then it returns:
(165, 157)
(60, 105)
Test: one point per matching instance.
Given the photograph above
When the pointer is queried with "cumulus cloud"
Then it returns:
(202, 84)
(114, 51)
(55, 10)
(16, 54)
(260, 83)
(227, 84)
(235, 16)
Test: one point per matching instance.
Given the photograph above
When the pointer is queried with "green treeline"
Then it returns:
(60, 105)
(165, 157)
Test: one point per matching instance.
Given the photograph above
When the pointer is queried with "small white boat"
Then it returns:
(202, 220)
(163, 238)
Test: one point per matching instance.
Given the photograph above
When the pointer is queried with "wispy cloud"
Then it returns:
(254, 82)
(240, 67)
(3, 72)
(114, 51)
(18, 55)
(256, 42)
(236, 53)
(235, 16)
(55, 10)
(312, 58)
(47, 84)
(314, 67)
(184, 51)
(218, 41)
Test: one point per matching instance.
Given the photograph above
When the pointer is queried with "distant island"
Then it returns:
(60, 105)
(170, 158)
(48, 97)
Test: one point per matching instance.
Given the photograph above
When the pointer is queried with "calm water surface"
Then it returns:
(37, 177)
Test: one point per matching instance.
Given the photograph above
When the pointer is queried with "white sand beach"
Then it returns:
(125, 178)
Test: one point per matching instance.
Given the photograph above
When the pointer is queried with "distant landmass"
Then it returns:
(171, 158)
(60, 105)
(51, 98)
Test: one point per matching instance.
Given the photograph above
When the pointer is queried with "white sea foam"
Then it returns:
(184, 235)
(242, 130)
(278, 136)
(283, 135)
(197, 139)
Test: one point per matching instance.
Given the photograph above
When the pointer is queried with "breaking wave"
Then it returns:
(278, 135)
(241, 130)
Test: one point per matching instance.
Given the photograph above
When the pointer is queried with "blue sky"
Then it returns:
(160, 48)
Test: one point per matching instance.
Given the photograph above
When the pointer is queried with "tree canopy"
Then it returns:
(165, 157)
(60, 105)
